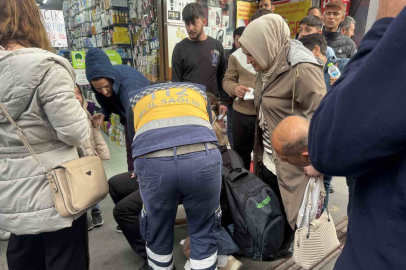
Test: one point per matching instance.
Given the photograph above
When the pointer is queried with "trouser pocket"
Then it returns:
(216, 229)
(144, 225)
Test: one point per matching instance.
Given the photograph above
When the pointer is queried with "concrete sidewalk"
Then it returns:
(109, 250)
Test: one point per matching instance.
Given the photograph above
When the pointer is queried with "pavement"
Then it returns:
(109, 250)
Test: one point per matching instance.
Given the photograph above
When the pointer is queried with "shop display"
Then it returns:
(146, 39)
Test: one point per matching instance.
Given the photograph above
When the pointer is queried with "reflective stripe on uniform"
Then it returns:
(208, 263)
(173, 122)
(160, 262)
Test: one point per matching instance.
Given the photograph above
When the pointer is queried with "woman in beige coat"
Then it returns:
(289, 82)
(94, 146)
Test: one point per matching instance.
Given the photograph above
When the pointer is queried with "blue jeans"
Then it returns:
(327, 184)
(196, 179)
(96, 207)
(226, 244)
(230, 111)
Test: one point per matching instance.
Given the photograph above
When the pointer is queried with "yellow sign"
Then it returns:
(169, 103)
(245, 10)
(294, 13)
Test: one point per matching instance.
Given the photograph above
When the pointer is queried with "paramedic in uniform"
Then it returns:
(176, 158)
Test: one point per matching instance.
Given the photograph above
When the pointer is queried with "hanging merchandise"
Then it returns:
(144, 25)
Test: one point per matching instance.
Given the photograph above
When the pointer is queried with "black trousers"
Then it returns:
(66, 249)
(270, 179)
(129, 149)
(243, 136)
(126, 195)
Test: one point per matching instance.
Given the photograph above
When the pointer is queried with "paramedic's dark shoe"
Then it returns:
(97, 218)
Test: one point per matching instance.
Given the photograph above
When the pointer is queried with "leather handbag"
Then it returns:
(316, 240)
(76, 185)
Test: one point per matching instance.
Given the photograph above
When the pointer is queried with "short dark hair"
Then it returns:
(239, 31)
(310, 41)
(260, 1)
(312, 21)
(310, 9)
(260, 12)
(192, 12)
(346, 24)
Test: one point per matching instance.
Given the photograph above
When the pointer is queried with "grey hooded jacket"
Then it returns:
(37, 88)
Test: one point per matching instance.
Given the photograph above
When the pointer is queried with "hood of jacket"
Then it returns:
(300, 54)
(21, 71)
(98, 65)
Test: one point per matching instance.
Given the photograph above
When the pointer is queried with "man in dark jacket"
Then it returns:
(111, 85)
(236, 45)
(359, 129)
(343, 46)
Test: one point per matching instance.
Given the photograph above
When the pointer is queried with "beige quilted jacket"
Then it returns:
(37, 88)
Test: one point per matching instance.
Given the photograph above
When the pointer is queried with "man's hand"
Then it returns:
(240, 91)
(223, 111)
(333, 80)
(97, 120)
(311, 172)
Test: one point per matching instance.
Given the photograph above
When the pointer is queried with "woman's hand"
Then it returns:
(97, 120)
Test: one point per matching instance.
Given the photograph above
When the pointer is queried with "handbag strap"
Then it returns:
(308, 202)
(21, 136)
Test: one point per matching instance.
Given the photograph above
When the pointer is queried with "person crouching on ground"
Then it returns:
(176, 158)
(94, 146)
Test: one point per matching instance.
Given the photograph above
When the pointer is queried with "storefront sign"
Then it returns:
(55, 27)
(245, 10)
(115, 58)
(78, 59)
(347, 4)
(293, 13)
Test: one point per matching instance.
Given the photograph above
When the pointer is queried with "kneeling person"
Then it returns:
(177, 159)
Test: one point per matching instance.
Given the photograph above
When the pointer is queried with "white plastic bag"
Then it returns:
(317, 188)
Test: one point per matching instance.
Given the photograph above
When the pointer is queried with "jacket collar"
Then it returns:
(332, 35)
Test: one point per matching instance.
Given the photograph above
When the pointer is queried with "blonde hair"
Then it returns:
(21, 22)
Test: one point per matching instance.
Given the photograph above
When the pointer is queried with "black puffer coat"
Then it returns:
(343, 46)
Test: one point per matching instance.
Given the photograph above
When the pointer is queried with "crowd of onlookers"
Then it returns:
(288, 116)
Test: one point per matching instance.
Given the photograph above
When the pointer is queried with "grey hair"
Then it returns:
(346, 24)
(297, 147)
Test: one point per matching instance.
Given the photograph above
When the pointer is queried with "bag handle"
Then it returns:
(308, 202)
(21, 136)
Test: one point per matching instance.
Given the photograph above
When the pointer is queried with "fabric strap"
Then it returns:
(21, 136)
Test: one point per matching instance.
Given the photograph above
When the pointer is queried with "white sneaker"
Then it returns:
(232, 264)
(4, 236)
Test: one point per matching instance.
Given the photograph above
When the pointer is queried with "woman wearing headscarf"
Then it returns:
(289, 82)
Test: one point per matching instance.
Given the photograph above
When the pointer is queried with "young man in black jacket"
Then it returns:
(200, 58)
(343, 46)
